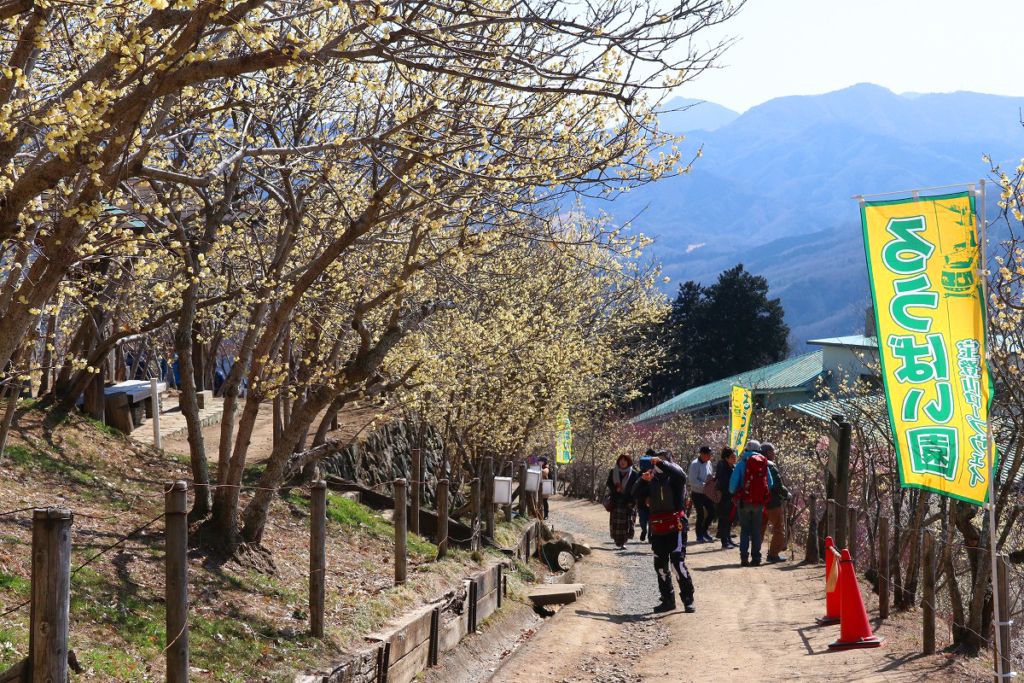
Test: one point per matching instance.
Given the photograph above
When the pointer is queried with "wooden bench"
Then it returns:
(128, 404)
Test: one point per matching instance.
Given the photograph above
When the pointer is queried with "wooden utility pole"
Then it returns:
(883, 567)
(51, 594)
(318, 557)
(442, 518)
(401, 531)
(840, 436)
(176, 580)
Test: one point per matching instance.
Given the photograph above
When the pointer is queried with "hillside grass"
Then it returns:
(244, 626)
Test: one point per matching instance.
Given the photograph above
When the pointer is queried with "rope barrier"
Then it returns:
(115, 544)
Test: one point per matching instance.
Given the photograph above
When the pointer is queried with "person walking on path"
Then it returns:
(545, 473)
(621, 480)
(723, 474)
(664, 487)
(698, 474)
(642, 511)
(751, 482)
(775, 511)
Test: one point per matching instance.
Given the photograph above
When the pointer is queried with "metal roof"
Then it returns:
(853, 341)
(799, 372)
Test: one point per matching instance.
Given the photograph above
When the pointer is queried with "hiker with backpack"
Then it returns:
(663, 488)
(775, 510)
(751, 482)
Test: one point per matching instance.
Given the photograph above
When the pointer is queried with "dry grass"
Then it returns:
(245, 626)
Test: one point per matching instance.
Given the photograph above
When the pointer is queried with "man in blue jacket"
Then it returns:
(753, 489)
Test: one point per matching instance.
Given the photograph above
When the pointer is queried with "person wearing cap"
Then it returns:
(753, 490)
(664, 488)
(698, 474)
(775, 511)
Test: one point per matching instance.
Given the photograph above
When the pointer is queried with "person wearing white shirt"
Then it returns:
(699, 473)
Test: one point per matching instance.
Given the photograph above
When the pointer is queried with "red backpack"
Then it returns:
(755, 481)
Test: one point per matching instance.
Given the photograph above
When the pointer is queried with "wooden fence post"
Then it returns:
(830, 518)
(176, 583)
(812, 530)
(883, 567)
(488, 496)
(51, 593)
(928, 597)
(442, 518)
(851, 533)
(317, 557)
(1003, 579)
(401, 531)
(414, 490)
(523, 510)
(154, 401)
(475, 497)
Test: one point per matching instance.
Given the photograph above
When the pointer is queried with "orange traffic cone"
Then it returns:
(854, 631)
(832, 605)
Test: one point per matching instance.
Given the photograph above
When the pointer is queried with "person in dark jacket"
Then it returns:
(775, 510)
(723, 473)
(621, 480)
(664, 489)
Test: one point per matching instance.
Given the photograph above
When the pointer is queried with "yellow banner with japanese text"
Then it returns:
(923, 261)
(563, 439)
(739, 418)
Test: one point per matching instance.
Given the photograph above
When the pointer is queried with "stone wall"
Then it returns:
(386, 455)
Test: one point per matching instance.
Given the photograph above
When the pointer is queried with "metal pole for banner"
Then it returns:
(997, 617)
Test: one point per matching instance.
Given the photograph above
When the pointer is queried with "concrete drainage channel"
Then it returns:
(433, 643)
(479, 659)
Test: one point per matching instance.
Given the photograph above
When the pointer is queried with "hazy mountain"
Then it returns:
(773, 188)
(682, 114)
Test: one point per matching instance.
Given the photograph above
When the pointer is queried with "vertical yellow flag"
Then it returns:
(739, 418)
(563, 439)
(923, 261)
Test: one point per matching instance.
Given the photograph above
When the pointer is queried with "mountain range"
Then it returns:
(773, 187)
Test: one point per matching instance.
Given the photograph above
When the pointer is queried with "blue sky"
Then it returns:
(807, 47)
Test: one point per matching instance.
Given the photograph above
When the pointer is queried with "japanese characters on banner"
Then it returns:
(563, 439)
(739, 418)
(923, 260)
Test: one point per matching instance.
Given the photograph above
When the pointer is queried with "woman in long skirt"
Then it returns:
(622, 517)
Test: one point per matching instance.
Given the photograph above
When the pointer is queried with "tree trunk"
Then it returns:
(183, 343)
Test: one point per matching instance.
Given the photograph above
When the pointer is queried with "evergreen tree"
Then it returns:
(717, 331)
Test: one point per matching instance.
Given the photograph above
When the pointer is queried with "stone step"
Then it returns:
(556, 594)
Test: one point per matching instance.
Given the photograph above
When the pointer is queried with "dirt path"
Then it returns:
(752, 624)
(350, 423)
